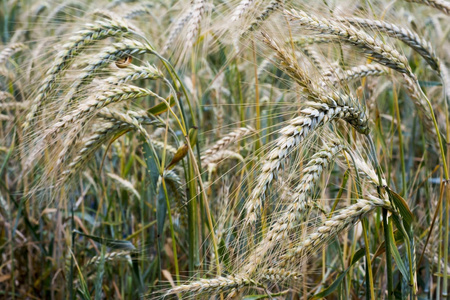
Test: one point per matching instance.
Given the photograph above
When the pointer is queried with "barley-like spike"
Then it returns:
(125, 184)
(277, 275)
(101, 135)
(125, 124)
(314, 57)
(13, 105)
(109, 257)
(220, 156)
(410, 38)
(119, 50)
(312, 40)
(441, 5)
(137, 11)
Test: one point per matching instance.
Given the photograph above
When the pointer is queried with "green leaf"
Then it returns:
(114, 244)
(356, 257)
(253, 297)
(396, 255)
(193, 136)
(161, 107)
(429, 83)
(402, 206)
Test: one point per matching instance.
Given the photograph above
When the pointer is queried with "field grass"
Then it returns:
(216, 149)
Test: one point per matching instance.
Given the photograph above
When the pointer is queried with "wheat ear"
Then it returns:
(134, 72)
(265, 14)
(176, 29)
(193, 25)
(109, 257)
(342, 220)
(311, 117)
(215, 285)
(119, 50)
(241, 9)
(441, 5)
(296, 208)
(374, 48)
(101, 135)
(355, 73)
(226, 141)
(106, 97)
(88, 36)
(10, 50)
(410, 38)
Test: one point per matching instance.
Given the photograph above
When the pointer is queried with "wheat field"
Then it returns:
(224, 149)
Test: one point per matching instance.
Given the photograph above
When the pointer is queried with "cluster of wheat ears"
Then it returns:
(267, 149)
